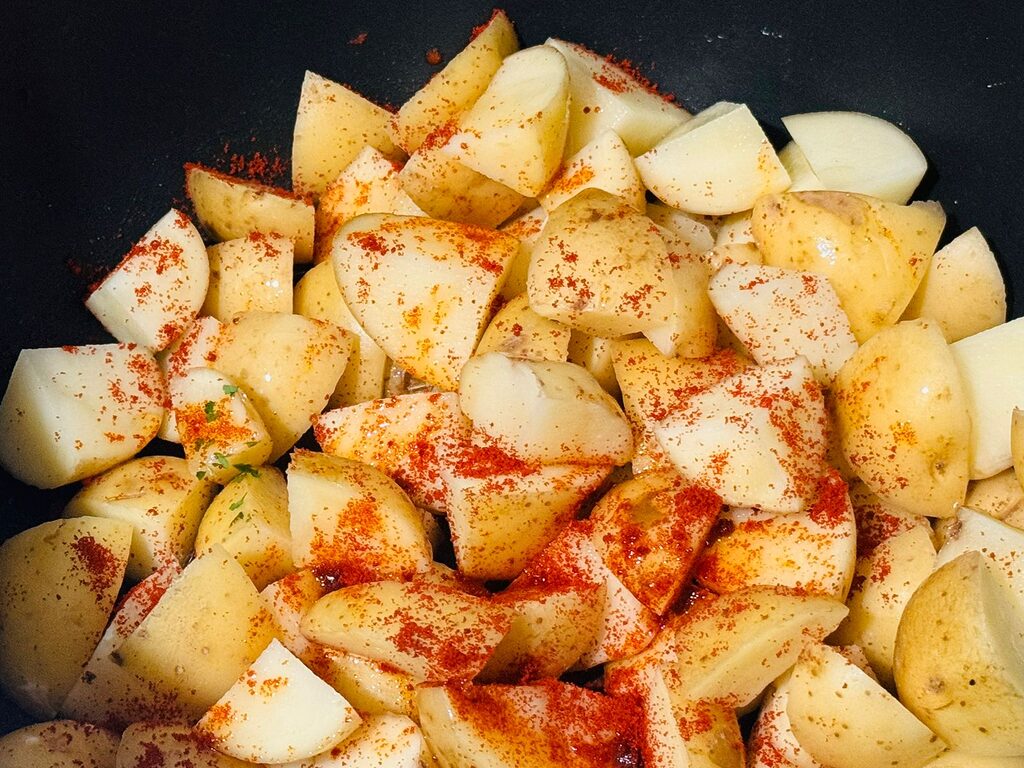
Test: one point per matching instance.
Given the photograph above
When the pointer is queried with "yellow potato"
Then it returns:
(902, 419)
(874, 253)
(250, 274)
(604, 163)
(59, 744)
(58, 585)
(517, 331)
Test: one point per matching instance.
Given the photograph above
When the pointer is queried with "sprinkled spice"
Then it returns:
(103, 569)
(433, 57)
(359, 38)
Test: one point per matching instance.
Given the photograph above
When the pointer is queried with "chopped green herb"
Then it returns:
(239, 516)
(210, 409)
(201, 443)
(230, 389)
(221, 460)
(250, 443)
(236, 504)
(247, 469)
(200, 474)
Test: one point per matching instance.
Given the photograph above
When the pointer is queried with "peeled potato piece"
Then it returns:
(717, 163)
(332, 125)
(519, 332)
(278, 711)
(604, 163)
(855, 152)
(250, 274)
(604, 96)
(232, 208)
(156, 291)
(515, 132)
(456, 88)
(72, 412)
(178, 745)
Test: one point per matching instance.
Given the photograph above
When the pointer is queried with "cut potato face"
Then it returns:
(231, 208)
(550, 412)
(292, 381)
(162, 500)
(903, 419)
(719, 162)
(854, 152)
(963, 289)
(72, 412)
(178, 745)
(993, 382)
(832, 704)
(156, 291)
(599, 268)
(278, 711)
(59, 575)
(422, 288)
(604, 163)
(604, 96)
(515, 132)
(874, 253)
(518, 332)
(250, 274)
(332, 125)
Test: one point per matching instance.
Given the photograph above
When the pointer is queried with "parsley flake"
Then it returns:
(230, 389)
(210, 409)
(236, 504)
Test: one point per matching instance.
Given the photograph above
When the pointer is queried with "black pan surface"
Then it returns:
(102, 103)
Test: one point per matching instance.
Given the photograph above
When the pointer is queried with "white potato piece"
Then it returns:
(717, 163)
(203, 633)
(428, 631)
(729, 648)
(993, 376)
(447, 189)
(693, 326)
(71, 412)
(369, 184)
(332, 125)
(59, 744)
(551, 628)
(219, 428)
(519, 332)
(544, 411)
(455, 88)
(695, 232)
(527, 228)
(278, 711)
(886, 576)
(780, 313)
(515, 131)
(249, 518)
(1000, 496)
(626, 625)
(318, 296)
(174, 745)
(604, 163)
(801, 175)
(1002, 545)
(287, 365)
(833, 705)
(195, 348)
(352, 521)
(502, 511)
(814, 550)
(421, 288)
(604, 96)
(772, 743)
(902, 418)
(757, 438)
(736, 229)
(599, 267)
(958, 665)
(543, 725)
(231, 208)
(874, 253)
(594, 354)
(382, 741)
(855, 152)
(963, 289)
(107, 693)
(157, 290)
(58, 585)
(655, 386)
(1017, 445)
(159, 497)
(650, 531)
(956, 759)
(250, 274)
(395, 434)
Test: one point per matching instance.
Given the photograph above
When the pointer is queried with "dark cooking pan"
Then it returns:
(102, 103)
